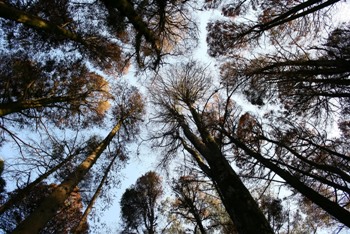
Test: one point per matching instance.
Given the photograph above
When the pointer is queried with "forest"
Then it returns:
(244, 107)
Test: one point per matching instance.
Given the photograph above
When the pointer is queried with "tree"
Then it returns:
(55, 29)
(139, 204)
(187, 194)
(21, 193)
(196, 202)
(291, 21)
(52, 90)
(159, 26)
(81, 225)
(156, 28)
(34, 95)
(302, 177)
(178, 96)
(127, 113)
(273, 209)
(220, 124)
(63, 222)
(49, 51)
(314, 83)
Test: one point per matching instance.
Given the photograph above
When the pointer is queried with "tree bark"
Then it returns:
(332, 208)
(11, 13)
(13, 107)
(79, 228)
(236, 198)
(239, 203)
(25, 191)
(48, 208)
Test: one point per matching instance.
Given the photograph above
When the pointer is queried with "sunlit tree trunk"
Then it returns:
(48, 208)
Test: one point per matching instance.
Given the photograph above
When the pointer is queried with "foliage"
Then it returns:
(274, 115)
(197, 205)
(139, 204)
(184, 125)
(63, 222)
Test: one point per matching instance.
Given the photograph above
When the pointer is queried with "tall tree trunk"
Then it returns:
(79, 228)
(236, 198)
(25, 191)
(239, 203)
(332, 208)
(48, 208)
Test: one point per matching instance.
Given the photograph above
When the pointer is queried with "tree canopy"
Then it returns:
(252, 138)
(139, 204)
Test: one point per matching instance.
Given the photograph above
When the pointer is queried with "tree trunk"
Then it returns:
(11, 13)
(196, 216)
(239, 203)
(332, 208)
(25, 191)
(48, 208)
(79, 228)
(236, 198)
(13, 107)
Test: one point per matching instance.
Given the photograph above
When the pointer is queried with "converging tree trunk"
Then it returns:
(177, 95)
(48, 208)
(236, 198)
